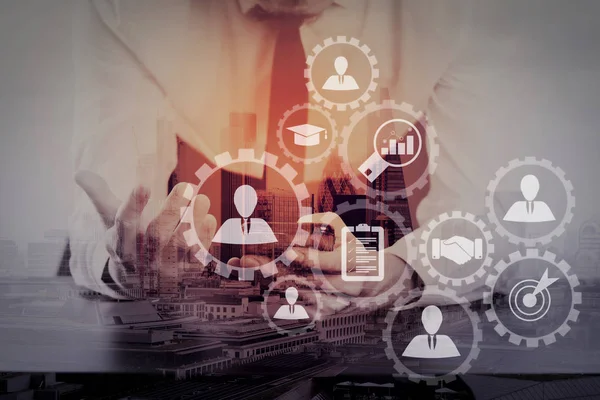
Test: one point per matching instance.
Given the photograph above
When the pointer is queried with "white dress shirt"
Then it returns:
(195, 62)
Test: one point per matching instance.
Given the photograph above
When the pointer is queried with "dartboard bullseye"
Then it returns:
(527, 305)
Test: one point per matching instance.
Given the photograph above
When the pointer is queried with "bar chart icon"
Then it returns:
(402, 148)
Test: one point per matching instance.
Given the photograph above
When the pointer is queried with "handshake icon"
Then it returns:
(458, 249)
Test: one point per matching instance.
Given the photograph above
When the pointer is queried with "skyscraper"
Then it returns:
(331, 186)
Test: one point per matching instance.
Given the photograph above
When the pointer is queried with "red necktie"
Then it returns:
(288, 85)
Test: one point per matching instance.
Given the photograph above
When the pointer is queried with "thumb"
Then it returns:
(130, 211)
(328, 218)
(329, 261)
(104, 200)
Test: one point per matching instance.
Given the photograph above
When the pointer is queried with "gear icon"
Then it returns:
(394, 290)
(298, 281)
(246, 156)
(283, 120)
(432, 144)
(558, 230)
(390, 352)
(572, 316)
(485, 263)
(343, 40)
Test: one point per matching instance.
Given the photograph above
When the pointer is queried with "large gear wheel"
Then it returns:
(318, 97)
(432, 144)
(390, 352)
(281, 127)
(295, 331)
(572, 316)
(558, 230)
(485, 263)
(404, 280)
(246, 156)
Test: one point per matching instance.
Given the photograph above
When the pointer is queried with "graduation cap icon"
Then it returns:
(307, 135)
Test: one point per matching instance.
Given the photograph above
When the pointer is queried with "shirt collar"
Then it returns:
(353, 5)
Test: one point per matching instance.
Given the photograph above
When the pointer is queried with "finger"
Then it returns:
(129, 213)
(198, 209)
(328, 218)
(253, 261)
(127, 231)
(205, 224)
(162, 228)
(207, 229)
(234, 262)
(329, 261)
(103, 199)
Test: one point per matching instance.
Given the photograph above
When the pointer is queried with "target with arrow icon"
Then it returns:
(530, 300)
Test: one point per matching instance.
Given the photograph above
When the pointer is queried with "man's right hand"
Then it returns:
(130, 244)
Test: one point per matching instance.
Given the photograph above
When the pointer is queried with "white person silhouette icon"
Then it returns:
(340, 82)
(292, 310)
(245, 230)
(529, 210)
(431, 345)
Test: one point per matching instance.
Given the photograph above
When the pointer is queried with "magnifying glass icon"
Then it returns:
(375, 164)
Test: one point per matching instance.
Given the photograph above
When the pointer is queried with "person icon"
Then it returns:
(431, 345)
(529, 210)
(340, 82)
(245, 230)
(292, 310)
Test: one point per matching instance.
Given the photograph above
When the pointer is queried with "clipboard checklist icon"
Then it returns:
(362, 253)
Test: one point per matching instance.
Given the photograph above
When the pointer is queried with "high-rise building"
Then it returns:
(330, 187)
(173, 259)
(280, 210)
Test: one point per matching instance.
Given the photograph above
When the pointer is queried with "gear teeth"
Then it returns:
(204, 172)
(269, 269)
(563, 330)
(288, 172)
(549, 340)
(221, 161)
(246, 274)
(223, 270)
(487, 297)
(318, 97)
(383, 298)
(501, 330)
(535, 254)
(404, 371)
(430, 135)
(516, 340)
(558, 230)
(296, 331)
(301, 191)
(486, 262)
